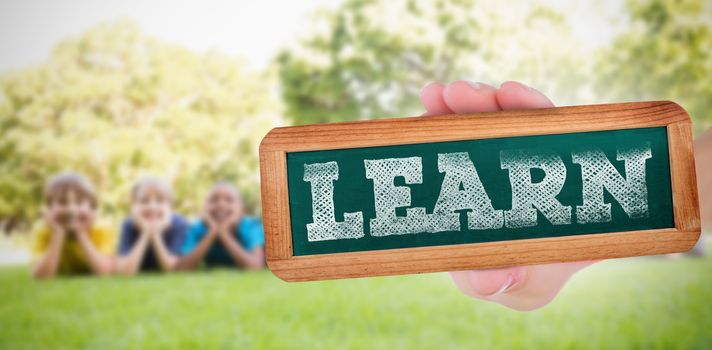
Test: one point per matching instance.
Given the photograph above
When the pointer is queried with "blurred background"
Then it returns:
(186, 90)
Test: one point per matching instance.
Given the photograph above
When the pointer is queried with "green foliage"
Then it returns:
(643, 303)
(114, 104)
(370, 58)
(667, 54)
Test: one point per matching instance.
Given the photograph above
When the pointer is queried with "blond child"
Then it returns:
(152, 236)
(69, 241)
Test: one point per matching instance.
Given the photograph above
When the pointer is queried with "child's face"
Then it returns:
(223, 204)
(71, 211)
(150, 205)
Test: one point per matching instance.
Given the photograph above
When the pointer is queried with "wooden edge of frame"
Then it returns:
(483, 255)
(457, 127)
(683, 177)
(275, 196)
(275, 205)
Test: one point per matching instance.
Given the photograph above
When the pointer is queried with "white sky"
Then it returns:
(254, 30)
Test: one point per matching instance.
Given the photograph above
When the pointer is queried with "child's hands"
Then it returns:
(213, 225)
(521, 287)
(144, 226)
(84, 220)
(139, 221)
(149, 225)
(233, 220)
(162, 223)
(52, 221)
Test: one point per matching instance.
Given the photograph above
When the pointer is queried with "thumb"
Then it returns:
(491, 282)
(521, 288)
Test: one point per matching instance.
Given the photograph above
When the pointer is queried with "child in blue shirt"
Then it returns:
(152, 236)
(224, 236)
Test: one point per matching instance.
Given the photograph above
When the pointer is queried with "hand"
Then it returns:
(162, 223)
(80, 226)
(145, 226)
(213, 225)
(232, 221)
(227, 226)
(150, 227)
(50, 219)
(139, 221)
(85, 220)
(520, 287)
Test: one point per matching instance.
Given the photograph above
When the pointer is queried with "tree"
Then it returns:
(115, 104)
(665, 54)
(370, 58)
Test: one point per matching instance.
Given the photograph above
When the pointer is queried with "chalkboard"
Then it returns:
(498, 189)
(354, 192)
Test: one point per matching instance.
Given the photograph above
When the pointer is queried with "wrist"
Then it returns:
(58, 233)
(155, 233)
(220, 232)
(79, 235)
(225, 233)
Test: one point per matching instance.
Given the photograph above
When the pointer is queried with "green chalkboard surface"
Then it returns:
(353, 191)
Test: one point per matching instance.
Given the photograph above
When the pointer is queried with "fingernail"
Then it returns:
(515, 278)
(528, 87)
(505, 286)
(523, 85)
(474, 85)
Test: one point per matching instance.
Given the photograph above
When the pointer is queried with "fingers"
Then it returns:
(458, 97)
(514, 95)
(487, 283)
(48, 216)
(522, 288)
(462, 97)
(432, 98)
(543, 284)
(467, 97)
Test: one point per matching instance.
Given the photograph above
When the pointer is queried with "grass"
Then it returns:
(622, 304)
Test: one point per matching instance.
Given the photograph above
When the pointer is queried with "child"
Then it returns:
(224, 236)
(69, 241)
(152, 223)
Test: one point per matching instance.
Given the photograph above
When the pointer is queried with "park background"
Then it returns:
(186, 90)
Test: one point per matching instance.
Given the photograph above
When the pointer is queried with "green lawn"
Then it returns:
(621, 304)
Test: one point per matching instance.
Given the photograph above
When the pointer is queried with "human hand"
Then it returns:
(214, 227)
(52, 221)
(151, 223)
(521, 287)
(162, 223)
(142, 223)
(232, 221)
(84, 220)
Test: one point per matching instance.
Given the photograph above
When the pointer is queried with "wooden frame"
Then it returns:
(399, 131)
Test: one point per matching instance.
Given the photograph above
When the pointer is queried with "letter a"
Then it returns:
(459, 170)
